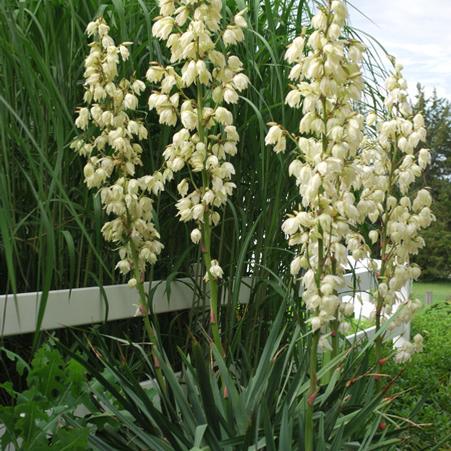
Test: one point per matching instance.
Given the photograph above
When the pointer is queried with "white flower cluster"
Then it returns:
(392, 163)
(193, 33)
(112, 153)
(327, 76)
(407, 349)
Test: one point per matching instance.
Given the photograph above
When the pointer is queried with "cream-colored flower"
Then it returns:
(196, 236)
(295, 266)
(215, 270)
(327, 82)
(111, 169)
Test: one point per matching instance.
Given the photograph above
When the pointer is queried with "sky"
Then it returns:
(417, 32)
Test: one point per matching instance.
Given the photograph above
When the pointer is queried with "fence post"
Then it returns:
(428, 298)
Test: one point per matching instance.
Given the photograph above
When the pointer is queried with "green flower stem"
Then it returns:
(330, 355)
(213, 284)
(313, 363)
(144, 311)
(384, 258)
(335, 323)
(206, 238)
(309, 424)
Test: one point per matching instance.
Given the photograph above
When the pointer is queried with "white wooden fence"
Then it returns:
(81, 306)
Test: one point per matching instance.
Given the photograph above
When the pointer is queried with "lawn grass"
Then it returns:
(441, 291)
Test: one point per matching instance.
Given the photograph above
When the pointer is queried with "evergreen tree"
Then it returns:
(435, 257)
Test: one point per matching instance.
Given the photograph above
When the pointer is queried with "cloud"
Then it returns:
(417, 32)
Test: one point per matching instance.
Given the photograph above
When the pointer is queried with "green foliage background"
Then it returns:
(435, 257)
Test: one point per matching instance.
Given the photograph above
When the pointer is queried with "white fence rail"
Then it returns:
(66, 308)
(81, 306)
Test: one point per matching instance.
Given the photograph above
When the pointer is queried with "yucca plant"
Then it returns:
(233, 407)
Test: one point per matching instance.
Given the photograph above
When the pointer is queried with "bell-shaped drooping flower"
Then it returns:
(392, 162)
(194, 92)
(327, 80)
(113, 153)
(406, 349)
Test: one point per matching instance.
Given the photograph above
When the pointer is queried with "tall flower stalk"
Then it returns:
(327, 81)
(110, 145)
(392, 162)
(201, 78)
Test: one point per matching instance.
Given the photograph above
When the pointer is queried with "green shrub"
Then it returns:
(425, 382)
(35, 420)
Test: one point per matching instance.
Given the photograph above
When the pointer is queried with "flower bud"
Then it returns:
(196, 236)
(295, 266)
(132, 283)
(373, 235)
(316, 323)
